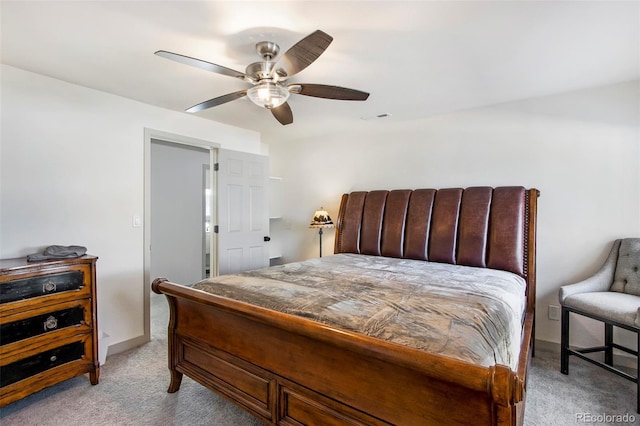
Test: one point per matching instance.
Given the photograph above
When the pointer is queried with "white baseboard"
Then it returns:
(126, 345)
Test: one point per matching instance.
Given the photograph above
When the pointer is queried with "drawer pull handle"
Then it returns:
(53, 358)
(50, 323)
(49, 286)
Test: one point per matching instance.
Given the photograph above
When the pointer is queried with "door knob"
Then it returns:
(267, 238)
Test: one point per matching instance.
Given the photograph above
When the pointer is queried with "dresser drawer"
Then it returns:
(30, 366)
(42, 321)
(27, 288)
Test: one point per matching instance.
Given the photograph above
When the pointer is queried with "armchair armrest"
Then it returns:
(600, 281)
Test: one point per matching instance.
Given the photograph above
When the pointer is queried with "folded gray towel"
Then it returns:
(58, 252)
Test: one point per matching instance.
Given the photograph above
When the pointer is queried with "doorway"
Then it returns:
(179, 195)
(177, 204)
(238, 211)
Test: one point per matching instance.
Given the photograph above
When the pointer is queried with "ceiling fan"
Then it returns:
(268, 78)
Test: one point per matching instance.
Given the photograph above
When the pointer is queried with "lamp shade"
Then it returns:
(321, 219)
(268, 95)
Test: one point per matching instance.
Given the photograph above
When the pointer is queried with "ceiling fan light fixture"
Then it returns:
(268, 95)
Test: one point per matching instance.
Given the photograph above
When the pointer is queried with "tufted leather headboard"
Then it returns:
(478, 226)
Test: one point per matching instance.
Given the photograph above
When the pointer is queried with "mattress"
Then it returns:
(468, 313)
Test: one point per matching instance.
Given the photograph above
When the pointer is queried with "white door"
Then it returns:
(243, 211)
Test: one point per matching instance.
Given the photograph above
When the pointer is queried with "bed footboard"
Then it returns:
(289, 370)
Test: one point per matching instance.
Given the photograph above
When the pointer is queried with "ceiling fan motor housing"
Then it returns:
(265, 69)
(260, 70)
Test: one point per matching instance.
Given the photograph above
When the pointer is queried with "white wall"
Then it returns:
(580, 149)
(72, 172)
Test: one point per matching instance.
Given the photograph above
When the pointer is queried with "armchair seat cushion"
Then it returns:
(620, 307)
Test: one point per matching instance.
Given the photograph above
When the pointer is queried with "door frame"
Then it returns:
(212, 147)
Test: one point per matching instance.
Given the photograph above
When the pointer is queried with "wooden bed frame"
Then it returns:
(288, 370)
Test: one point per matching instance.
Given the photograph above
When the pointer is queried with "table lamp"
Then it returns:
(321, 220)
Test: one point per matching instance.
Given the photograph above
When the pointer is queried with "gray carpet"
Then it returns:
(132, 391)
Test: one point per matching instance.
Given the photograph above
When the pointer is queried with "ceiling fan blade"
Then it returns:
(283, 114)
(328, 92)
(199, 63)
(217, 101)
(303, 53)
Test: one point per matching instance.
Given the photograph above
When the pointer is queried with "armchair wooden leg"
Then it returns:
(564, 342)
(608, 342)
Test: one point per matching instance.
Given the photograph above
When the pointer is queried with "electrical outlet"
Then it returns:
(554, 312)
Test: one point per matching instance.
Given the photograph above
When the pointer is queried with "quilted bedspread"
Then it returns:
(471, 314)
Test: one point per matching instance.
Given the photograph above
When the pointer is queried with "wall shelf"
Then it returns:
(275, 198)
(275, 214)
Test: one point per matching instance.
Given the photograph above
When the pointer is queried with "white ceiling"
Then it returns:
(416, 58)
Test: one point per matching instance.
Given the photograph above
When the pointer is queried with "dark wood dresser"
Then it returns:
(48, 324)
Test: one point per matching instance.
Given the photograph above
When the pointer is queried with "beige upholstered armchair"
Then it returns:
(612, 296)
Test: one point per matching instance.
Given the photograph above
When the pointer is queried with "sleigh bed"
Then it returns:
(424, 315)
